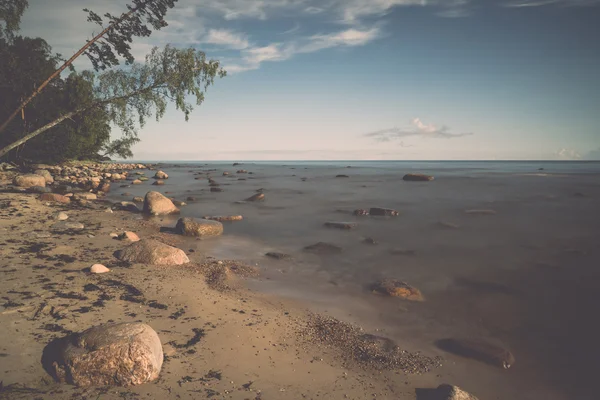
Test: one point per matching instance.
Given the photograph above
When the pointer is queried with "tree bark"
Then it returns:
(66, 64)
(36, 132)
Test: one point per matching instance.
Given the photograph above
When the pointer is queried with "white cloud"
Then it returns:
(418, 129)
(568, 154)
(226, 38)
(349, 37)
(539, 3)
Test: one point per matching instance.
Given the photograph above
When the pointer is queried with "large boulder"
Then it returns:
(29, 180)
(417, 178)
(157, 204)
(150, 251)
(46, 174)
(161, 175)
(121, 354)
(199, 227)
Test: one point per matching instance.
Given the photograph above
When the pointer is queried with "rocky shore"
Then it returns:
(116, 305)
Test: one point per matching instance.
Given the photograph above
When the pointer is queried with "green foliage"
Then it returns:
(146, 15)
(26, 62)
(10, 16)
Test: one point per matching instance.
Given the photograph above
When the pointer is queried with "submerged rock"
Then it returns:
(126, 206)
(323, 248)
(136, 182)
(341, 225)
(29, 180)
(383, 212)
(216, 189)
(278, 256)
(138, 199)
(158, 183)
(395, 288)
(360, 212)
(222, 218)
(342, 176)
(122, 354)
(478, 350)
(150, 251)
(417, 178)
(157, 204)
(481, 212)
(179, 203)
(199, 227)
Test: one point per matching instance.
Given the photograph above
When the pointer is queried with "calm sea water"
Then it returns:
(526, 277)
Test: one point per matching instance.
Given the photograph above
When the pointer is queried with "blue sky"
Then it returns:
(372, 79)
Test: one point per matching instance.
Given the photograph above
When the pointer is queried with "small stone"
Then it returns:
(98, 269)
(136, 182)
(216, 189)
(448, 392)
(179, 203)
(114, 235)
(127, 235)
(158, 183)
(66, 225)
(479, 350)
(370, 241)
(55, 197)
(138, 199)
(60, 216)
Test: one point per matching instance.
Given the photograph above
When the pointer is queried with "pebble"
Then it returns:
(98, 269)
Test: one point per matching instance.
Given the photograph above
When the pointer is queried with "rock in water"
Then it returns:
(395, 288)
(138, 199)
(157, 204)
(342, 176)
(417, 178)
(199, 227)
(479, 350)
(150, 251)
(383, 212)
(222, 218)
(136, 182)
(55, 197)
(256, 197)
(161, 175)
(360, 212)
(323, 248)
(29, 180)
(278, 256)
(98, 269)
(158, 183)
(216, 189)
(122, 354)
(126, 206)
(449, 392)
(341, 225)
(481, 212)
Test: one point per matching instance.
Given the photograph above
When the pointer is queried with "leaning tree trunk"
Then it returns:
(33, 134)
(65, 65)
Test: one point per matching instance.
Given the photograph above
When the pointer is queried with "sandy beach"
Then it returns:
(237, 324)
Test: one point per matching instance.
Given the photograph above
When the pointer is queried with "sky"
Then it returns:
(370, 79)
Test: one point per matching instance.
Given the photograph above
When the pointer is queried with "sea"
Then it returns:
(503, 251)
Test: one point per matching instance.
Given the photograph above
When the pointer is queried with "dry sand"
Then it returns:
(220, 339)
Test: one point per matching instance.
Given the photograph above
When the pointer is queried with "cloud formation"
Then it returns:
(418, 129)
(568, 154)
(226, 38)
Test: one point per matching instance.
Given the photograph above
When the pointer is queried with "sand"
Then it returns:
(221, 340)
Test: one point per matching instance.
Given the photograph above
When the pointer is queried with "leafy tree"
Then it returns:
(27, 61)
(131, 96)
(142, 17)
(127, 97)
(10, 16)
